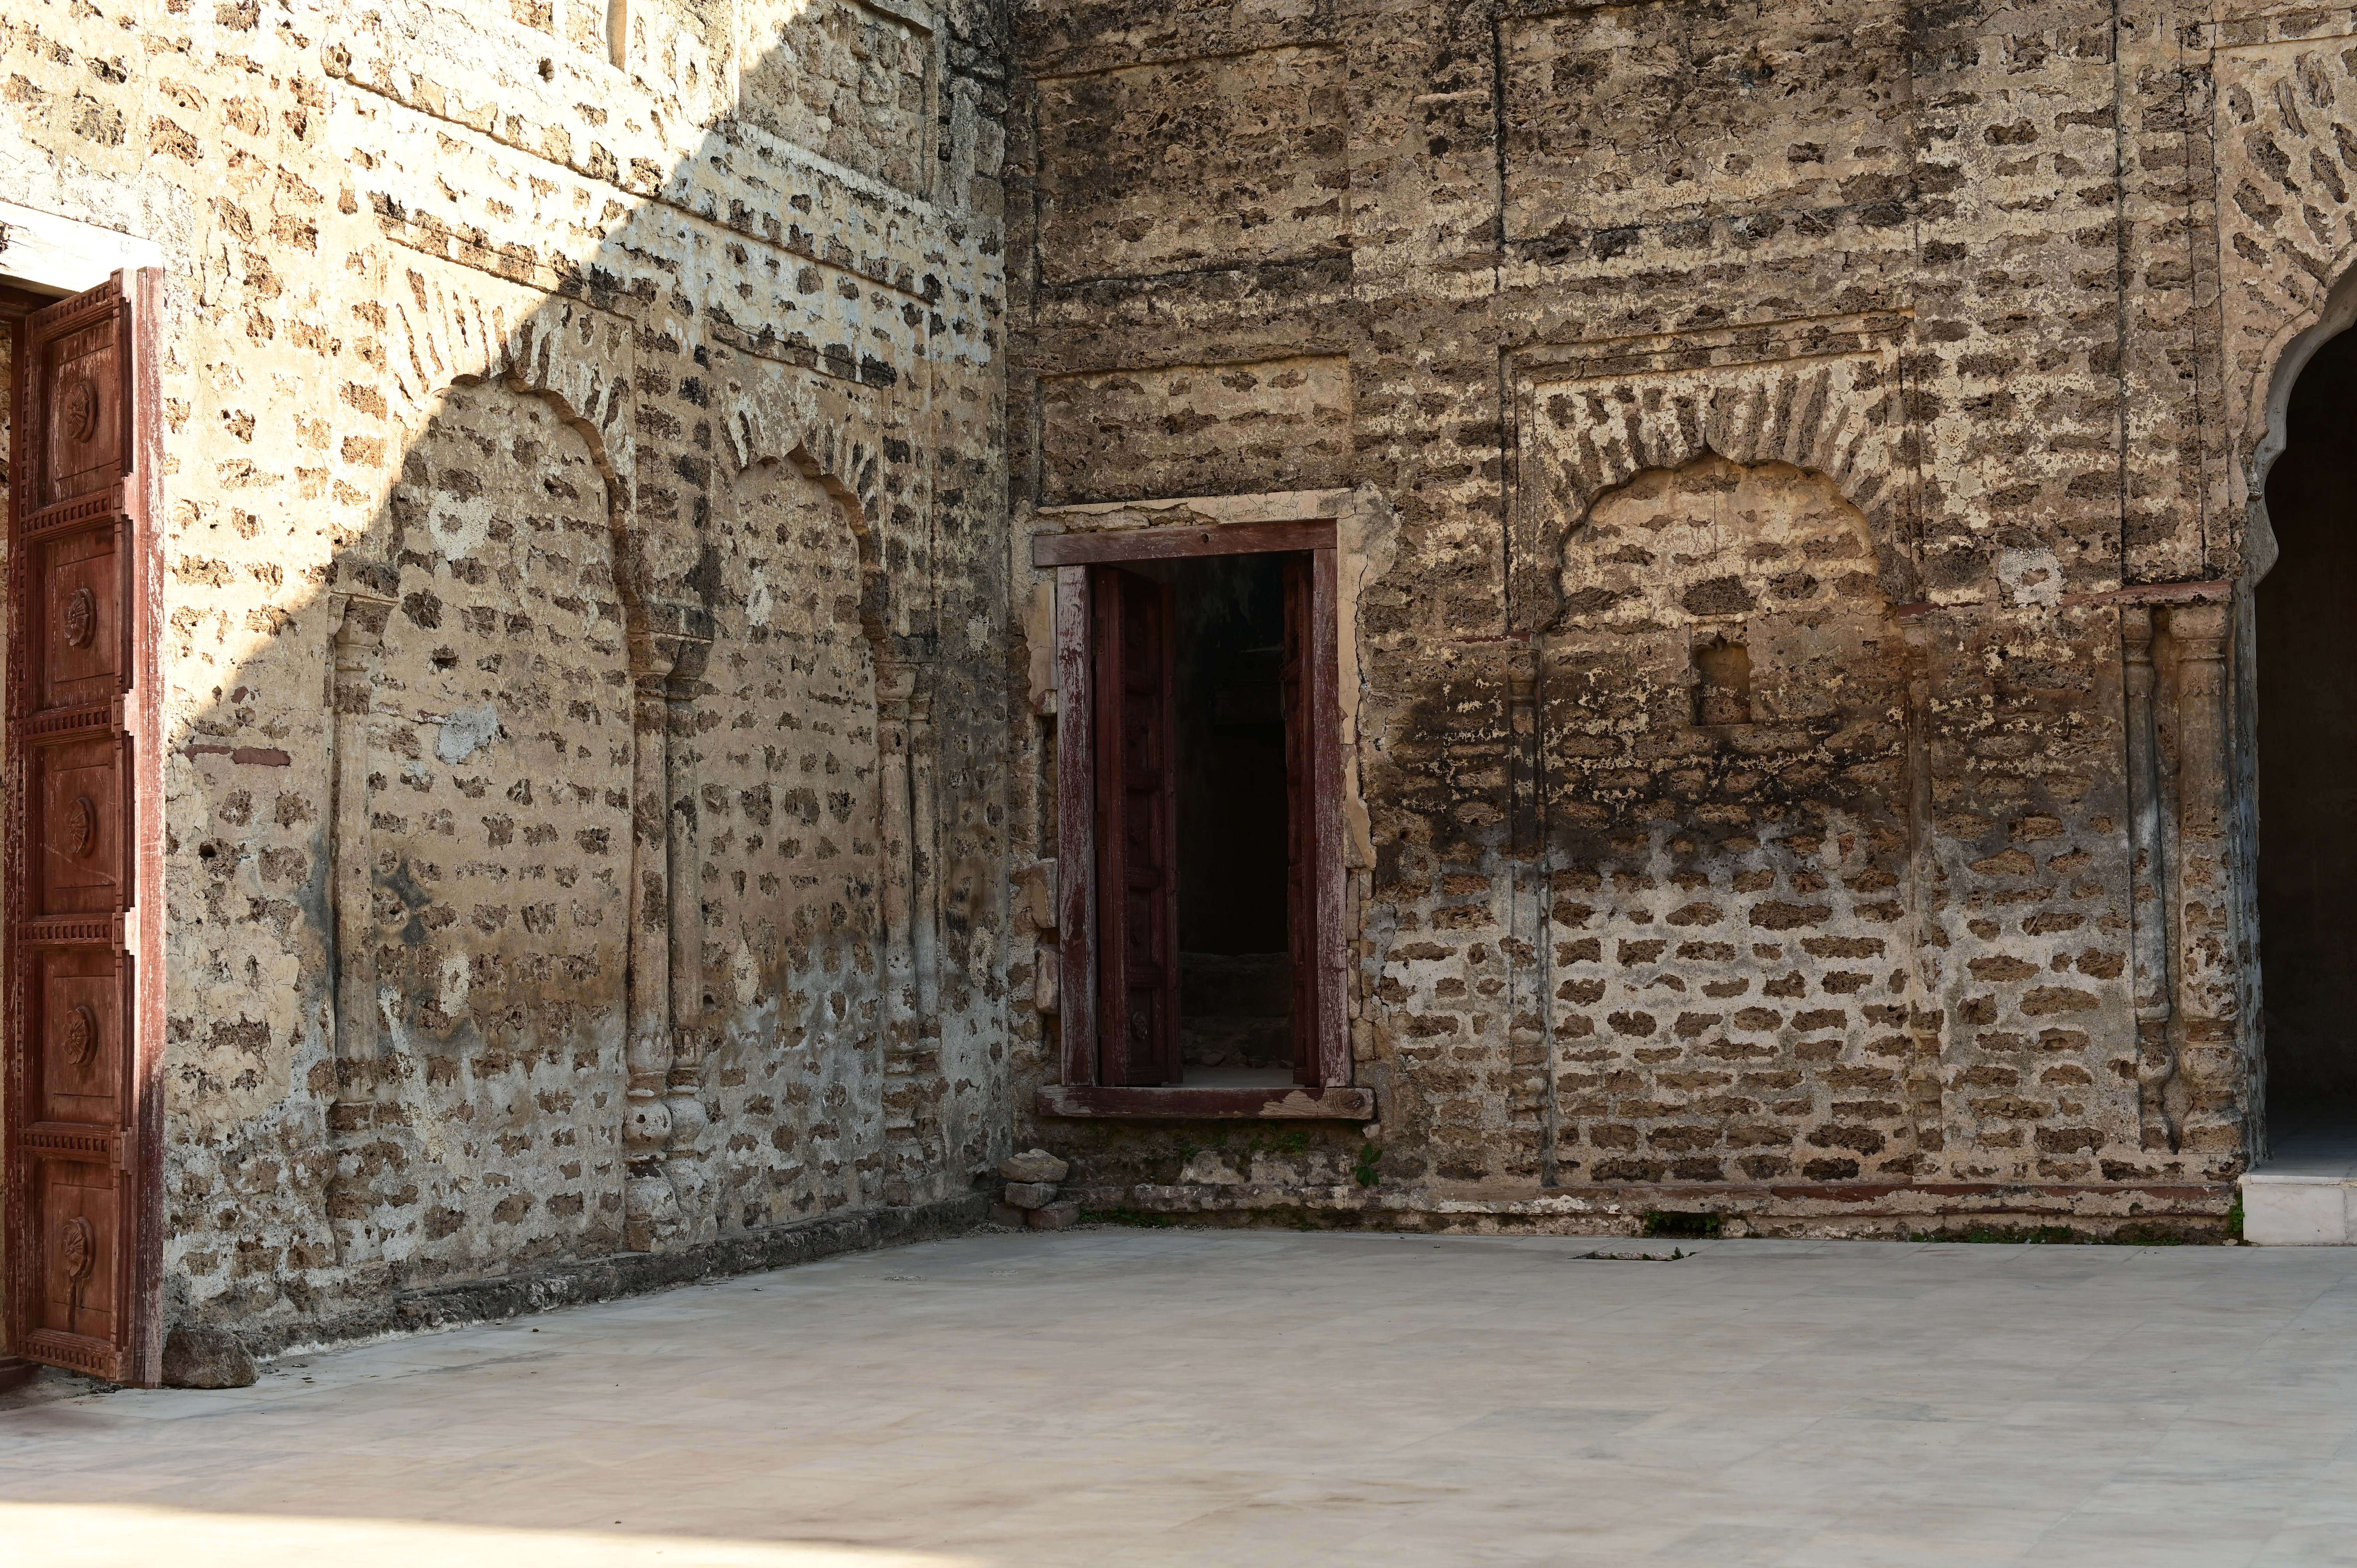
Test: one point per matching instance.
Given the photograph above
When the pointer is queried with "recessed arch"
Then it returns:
(783, 833)
(1841, 415)
(2289, 355)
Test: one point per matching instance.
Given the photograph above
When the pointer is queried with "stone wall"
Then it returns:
(1796, 723)
(585, 483)
(1799, 472)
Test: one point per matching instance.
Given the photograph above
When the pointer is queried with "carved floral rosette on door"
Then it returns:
(80, 1105)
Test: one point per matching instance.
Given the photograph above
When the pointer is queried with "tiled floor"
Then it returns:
(1126, 1397)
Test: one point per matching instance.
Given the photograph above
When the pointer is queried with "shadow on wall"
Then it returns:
(605, 909)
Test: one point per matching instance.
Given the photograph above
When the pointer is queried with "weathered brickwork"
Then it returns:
(1798, 725)
(1797, 474)
(584, 485)
(784, 739)
(1727, 766)
(500, 837)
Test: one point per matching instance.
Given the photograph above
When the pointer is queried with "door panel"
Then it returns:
(1137, 827)
(79, 800)
(85, 442)
(1300, 837)
(1314, 859)
(82, 579)
(75, 1035)
(83, 1108)
(81, 1275)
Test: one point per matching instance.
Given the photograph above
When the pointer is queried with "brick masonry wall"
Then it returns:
(569, 444)
(1914, 353)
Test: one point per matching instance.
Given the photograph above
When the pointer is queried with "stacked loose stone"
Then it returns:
(1031, 1179)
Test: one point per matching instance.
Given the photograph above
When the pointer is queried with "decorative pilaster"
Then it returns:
(2205, 997)
(363, 1082)
(2149, 878)
(930, 1089)
(650, 1207)
(684, 1152)
(1530, 1037)
(1927, 1022)
(924, 853)
(896, 684)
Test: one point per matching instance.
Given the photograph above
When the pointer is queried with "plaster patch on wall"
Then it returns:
(466, 732)
(2032, 577)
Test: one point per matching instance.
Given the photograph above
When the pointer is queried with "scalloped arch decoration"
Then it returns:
(1825, 395)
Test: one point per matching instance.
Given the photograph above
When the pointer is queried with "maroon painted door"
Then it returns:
(1316, 856)
(83, 1112)
(1300, 818)
(1137, 827)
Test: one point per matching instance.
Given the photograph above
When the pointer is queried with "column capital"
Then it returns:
(2200, 630)
(358, 618)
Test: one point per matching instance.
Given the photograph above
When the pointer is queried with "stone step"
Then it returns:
(2305, 1195)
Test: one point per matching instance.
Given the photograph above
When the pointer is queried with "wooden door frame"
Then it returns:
(144, 923)
(1070, 556)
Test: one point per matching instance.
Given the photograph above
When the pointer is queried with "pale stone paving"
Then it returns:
(1115, 1396)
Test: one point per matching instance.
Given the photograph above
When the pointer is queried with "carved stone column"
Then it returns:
(1530, 1035)
(896, 682)
(2206, 1000)
(684, 1155)
(362, 1085)
(924, 856)
(2149, 879)
(649, 1207)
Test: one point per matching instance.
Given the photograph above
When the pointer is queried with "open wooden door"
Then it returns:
(1313, 823)
(1116, 706)
(1136, 827)
(84, 1107)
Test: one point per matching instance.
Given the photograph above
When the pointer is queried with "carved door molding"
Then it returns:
(84, 839)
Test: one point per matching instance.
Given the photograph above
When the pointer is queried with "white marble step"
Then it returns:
(2305, 1195)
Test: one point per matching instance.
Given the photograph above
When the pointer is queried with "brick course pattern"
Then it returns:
(567, 432)
(1797, 470)
(1816, 438)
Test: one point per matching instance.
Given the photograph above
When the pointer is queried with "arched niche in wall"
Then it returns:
(498, 844)
(1724, 766)
(1826, 394)
(779, 761)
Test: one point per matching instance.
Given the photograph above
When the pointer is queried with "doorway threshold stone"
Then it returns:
(2305, 1195)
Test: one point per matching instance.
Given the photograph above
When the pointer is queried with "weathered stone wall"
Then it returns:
(499, 838)
(1911, 364)
(1801, 471)
(1726, 755)
(560, 442)
(791, 930)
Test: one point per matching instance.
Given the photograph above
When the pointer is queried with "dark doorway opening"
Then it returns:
(1235, 981)
(1202, 968)
(1195, 856)
(2306, 627)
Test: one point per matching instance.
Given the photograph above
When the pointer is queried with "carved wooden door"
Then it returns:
(1137, 827)
(84, 1106)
